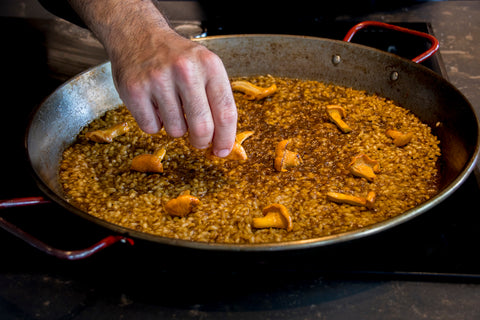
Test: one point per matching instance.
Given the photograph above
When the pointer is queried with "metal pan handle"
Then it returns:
(427, 54)
(21, 202)
(42, 246)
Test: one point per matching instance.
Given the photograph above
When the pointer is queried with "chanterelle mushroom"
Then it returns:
(371, 196)
(253, 92)
(362, 166)
(149, 162)
(182, 205)
(275, 216)
(353, 200)
(242, 136)
(238, 152)
(399, 139)
(336, 114)
(284, 158)
(107, 135)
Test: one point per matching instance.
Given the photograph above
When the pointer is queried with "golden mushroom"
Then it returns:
(251, 91)
(336, 114)
(149, 162)
(238, 152)
(362, 166)
(284, 158)
(182, 205)
(242, 136)
(274, 216)
(400, 139)
(107, 135)
(352, 200)
(371, 196)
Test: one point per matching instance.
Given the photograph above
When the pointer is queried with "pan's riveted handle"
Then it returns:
(424, 56)
(42, 246)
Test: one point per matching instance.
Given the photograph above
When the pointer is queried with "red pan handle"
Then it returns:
(427, 54)
(36, 243)
(21, 202)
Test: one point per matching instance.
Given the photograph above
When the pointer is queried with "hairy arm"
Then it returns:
(163, 78)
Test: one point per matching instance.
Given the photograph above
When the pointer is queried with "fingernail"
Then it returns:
(222, 153)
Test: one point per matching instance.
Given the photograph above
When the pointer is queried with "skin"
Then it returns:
(163, 78)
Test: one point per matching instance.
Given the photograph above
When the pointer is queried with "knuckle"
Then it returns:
(213, 61)
(227, 116)
(159, 76)
(184, 68)
(131, 88)
(190, 64)
(202, 130)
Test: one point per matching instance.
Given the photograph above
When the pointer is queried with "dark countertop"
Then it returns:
(42, 52)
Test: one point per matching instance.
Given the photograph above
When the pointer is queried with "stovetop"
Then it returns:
(440, 244)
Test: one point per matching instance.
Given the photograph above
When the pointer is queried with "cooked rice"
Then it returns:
(97, 177)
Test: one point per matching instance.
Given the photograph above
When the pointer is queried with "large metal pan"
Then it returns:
(56, 122)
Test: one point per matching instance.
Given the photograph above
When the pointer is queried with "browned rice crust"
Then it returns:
(97, 178)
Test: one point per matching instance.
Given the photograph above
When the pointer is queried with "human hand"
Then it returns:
(163, 78)
(171, 81)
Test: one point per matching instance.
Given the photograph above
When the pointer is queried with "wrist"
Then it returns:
(116, 23)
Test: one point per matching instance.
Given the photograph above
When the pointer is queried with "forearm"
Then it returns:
(115, 22)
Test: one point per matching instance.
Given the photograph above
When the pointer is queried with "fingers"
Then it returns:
(191, 88)
(142, 107)
(223, 109)
(168, 104)
(190, 91)
(207, 102)
(154, 102)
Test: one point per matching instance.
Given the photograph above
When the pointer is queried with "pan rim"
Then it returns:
(271, 246)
